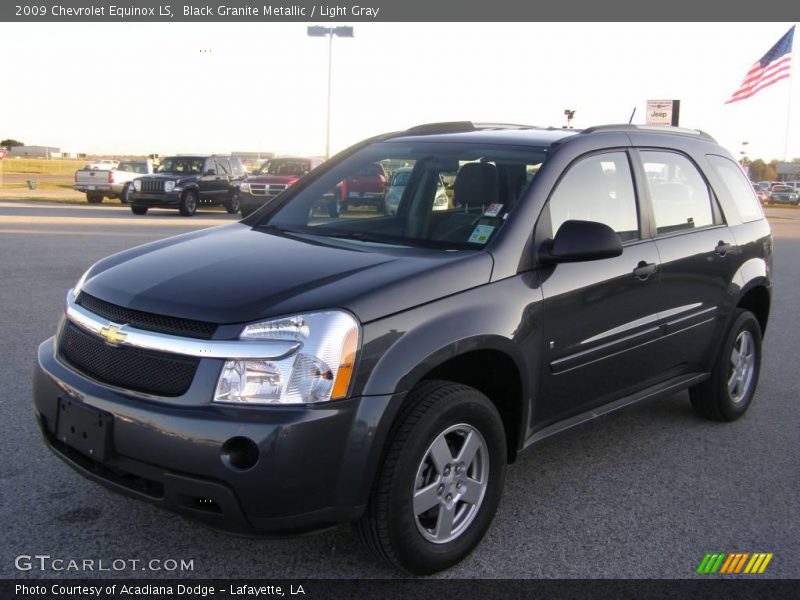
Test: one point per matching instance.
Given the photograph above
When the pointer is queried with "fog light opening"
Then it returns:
(239, 453)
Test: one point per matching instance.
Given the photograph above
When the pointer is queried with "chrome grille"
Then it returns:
(269, 190)
(152, 185)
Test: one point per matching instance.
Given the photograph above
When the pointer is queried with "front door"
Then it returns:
(600, 317)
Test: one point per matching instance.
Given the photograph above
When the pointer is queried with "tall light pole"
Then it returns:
(320, 31)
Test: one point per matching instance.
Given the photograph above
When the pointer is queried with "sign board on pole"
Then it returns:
(663, 112)
(791, 169)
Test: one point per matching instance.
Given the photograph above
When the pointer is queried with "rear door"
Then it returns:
(601, 323)
(698, 255)
(207, 182)
(224, 178)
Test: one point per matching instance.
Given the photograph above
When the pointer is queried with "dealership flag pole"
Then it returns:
(768, 70)
(788, 118)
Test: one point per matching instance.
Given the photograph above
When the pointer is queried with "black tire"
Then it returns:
(188, 204)
(232, 203)
(389, 530)
(94, 198)
(713, 399)
(125, 196)
(139, 210)
(334, 208)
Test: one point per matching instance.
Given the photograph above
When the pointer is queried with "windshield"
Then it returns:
(284, 167)
(400, 179)
(782, 188)
(181, 164)
(454, 196)
(132, 167)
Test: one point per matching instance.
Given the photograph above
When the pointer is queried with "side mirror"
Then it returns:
(210, 172)
(581, 241)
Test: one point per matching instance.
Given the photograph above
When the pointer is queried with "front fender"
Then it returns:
(505, 316)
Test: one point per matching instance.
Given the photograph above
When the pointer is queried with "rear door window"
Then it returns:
(222, 167)
(681, 197)
(738, 188)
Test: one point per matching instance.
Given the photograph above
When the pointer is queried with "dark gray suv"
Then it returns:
(185, 182)
(309, 368)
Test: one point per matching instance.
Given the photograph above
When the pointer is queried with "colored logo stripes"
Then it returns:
(734, 563)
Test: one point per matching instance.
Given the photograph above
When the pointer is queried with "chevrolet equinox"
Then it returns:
(304, 367)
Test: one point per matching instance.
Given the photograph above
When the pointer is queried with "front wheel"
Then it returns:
(441, 480)
(334, 208)
(726, 395)
(232, 204)
(139, 210)
(188, 204)
(125, 197)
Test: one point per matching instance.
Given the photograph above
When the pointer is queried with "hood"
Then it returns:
(285, 179)
(170, 176)
(236, 274)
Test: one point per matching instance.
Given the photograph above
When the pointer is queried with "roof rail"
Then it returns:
(507, 126)
(461, 127)
(444, 127)
(622, 127)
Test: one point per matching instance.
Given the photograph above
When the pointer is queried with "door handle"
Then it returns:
(643, 270)
(722, 248)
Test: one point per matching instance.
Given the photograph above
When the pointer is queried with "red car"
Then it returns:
(271, 179)
(367, 187)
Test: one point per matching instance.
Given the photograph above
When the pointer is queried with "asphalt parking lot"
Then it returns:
(642, 493)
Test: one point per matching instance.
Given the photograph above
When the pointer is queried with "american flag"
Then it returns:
(775, 65)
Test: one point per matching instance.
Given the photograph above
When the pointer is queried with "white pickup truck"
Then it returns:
(105, 164)
(98, 184)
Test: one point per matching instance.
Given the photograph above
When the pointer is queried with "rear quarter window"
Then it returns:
(738, 187)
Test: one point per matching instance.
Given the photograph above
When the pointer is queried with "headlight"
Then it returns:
(137, 185)
(319, 371)
(79, 286)
(169, 186)
(244, 187)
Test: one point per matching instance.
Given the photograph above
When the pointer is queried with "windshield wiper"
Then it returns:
(357, 235)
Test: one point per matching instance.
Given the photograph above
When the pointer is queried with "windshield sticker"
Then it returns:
(481, 234)
(493, 210)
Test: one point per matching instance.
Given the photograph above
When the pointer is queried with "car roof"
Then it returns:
(530, 135)
(526, 137)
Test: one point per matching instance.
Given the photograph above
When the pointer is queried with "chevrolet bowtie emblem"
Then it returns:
(112, 335)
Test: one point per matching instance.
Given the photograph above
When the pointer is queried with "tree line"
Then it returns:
(760, 170)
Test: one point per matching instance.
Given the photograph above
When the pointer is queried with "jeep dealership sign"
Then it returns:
(663, 112)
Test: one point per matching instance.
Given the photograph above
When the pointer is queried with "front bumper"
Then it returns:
(102, 187)
(150, 200)
(314, 469)
(252, 202)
